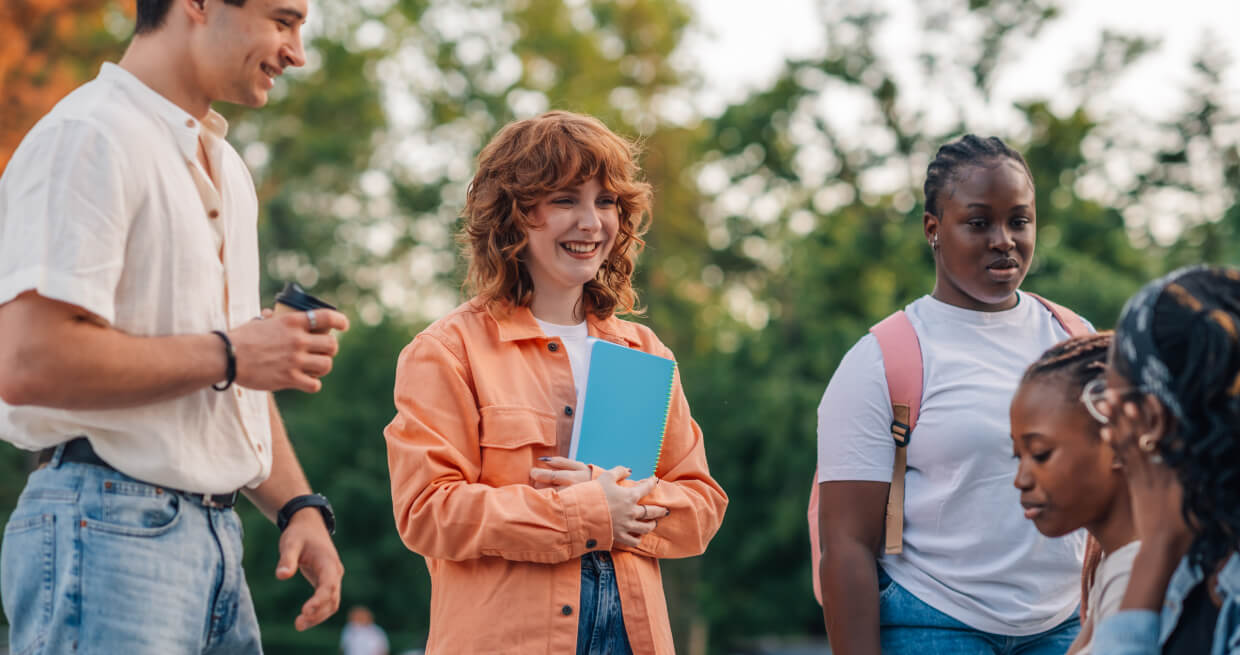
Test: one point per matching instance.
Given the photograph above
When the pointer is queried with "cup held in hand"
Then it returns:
(293, 298)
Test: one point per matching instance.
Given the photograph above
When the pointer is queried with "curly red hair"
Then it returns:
(523, 163)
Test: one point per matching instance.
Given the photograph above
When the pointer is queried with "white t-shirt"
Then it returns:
(367, 639)
(1110, 582)
(968, 550)
(105, 206)
(574, 338)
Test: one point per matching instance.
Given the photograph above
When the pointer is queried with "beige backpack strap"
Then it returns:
(894, 534)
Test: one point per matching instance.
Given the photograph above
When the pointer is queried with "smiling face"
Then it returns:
(572, 232)
(984, 238)
(1068, 478)
(243, 49)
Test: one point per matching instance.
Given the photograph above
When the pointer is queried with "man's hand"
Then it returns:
(283, 352)
(305, 545)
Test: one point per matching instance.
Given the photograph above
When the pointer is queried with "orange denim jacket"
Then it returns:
(480, 395)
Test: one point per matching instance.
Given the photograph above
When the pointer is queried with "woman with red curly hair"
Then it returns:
(529, 551)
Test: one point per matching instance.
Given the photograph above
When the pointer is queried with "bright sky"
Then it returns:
(741, 45)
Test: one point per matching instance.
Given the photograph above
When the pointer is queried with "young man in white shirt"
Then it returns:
(131, 358)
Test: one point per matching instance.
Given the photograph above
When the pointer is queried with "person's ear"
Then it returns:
(930, 226)
(1150, 419)
(196, 10)
(1157, 419)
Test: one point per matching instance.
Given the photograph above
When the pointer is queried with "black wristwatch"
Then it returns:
(301, 502)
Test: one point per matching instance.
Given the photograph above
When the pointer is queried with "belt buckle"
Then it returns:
(209, 500)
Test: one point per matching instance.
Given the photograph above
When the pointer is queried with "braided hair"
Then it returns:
(1196, 329)
(1078, 360)
(1073, 364)
(965, 152)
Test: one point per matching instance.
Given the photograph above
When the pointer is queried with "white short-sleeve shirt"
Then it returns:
(969, 552)
(105, 206)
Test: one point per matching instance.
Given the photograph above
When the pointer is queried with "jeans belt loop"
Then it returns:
(57, 455)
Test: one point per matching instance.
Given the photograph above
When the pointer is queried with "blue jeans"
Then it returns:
(910, 626)
(94, 561)
(600, 624)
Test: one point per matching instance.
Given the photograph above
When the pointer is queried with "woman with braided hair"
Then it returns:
(1170, 404)
(1069, 478)
(964, 574)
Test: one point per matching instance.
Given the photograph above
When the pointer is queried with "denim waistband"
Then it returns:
(598, 560)
(79, 450)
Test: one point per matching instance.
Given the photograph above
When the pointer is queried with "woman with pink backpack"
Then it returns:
(922, 543)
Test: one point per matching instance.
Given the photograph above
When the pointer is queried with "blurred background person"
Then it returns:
(361, 635)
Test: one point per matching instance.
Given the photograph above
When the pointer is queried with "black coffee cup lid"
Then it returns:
(296, 297)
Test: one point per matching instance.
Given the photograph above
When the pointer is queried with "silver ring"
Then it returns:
(645, 513)
(314, 323)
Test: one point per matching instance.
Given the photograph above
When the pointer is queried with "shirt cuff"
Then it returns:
(589, 519)
(60, 286)
(854, 474)
(1129, 631)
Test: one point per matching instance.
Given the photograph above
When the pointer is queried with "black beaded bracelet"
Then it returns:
(230, 373)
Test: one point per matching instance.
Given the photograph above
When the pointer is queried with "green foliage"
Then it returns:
(338, 434)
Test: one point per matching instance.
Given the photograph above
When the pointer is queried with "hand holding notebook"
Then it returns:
(623, 413)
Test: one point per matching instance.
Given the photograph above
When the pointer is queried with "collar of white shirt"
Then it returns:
(184, 128)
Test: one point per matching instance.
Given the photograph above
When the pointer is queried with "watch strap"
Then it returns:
(298, 503)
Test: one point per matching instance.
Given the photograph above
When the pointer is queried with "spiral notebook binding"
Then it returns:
(671, 383)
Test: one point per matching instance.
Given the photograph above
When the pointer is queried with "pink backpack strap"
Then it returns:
(1073, 324)
(902, 363)
(903, 367)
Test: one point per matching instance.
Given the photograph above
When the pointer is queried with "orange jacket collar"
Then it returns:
(517, 323)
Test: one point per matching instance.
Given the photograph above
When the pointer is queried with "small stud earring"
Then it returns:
(1147, 443)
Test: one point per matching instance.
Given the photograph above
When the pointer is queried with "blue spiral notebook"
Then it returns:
(623, 413)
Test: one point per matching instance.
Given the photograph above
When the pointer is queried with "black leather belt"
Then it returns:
(79, 450)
